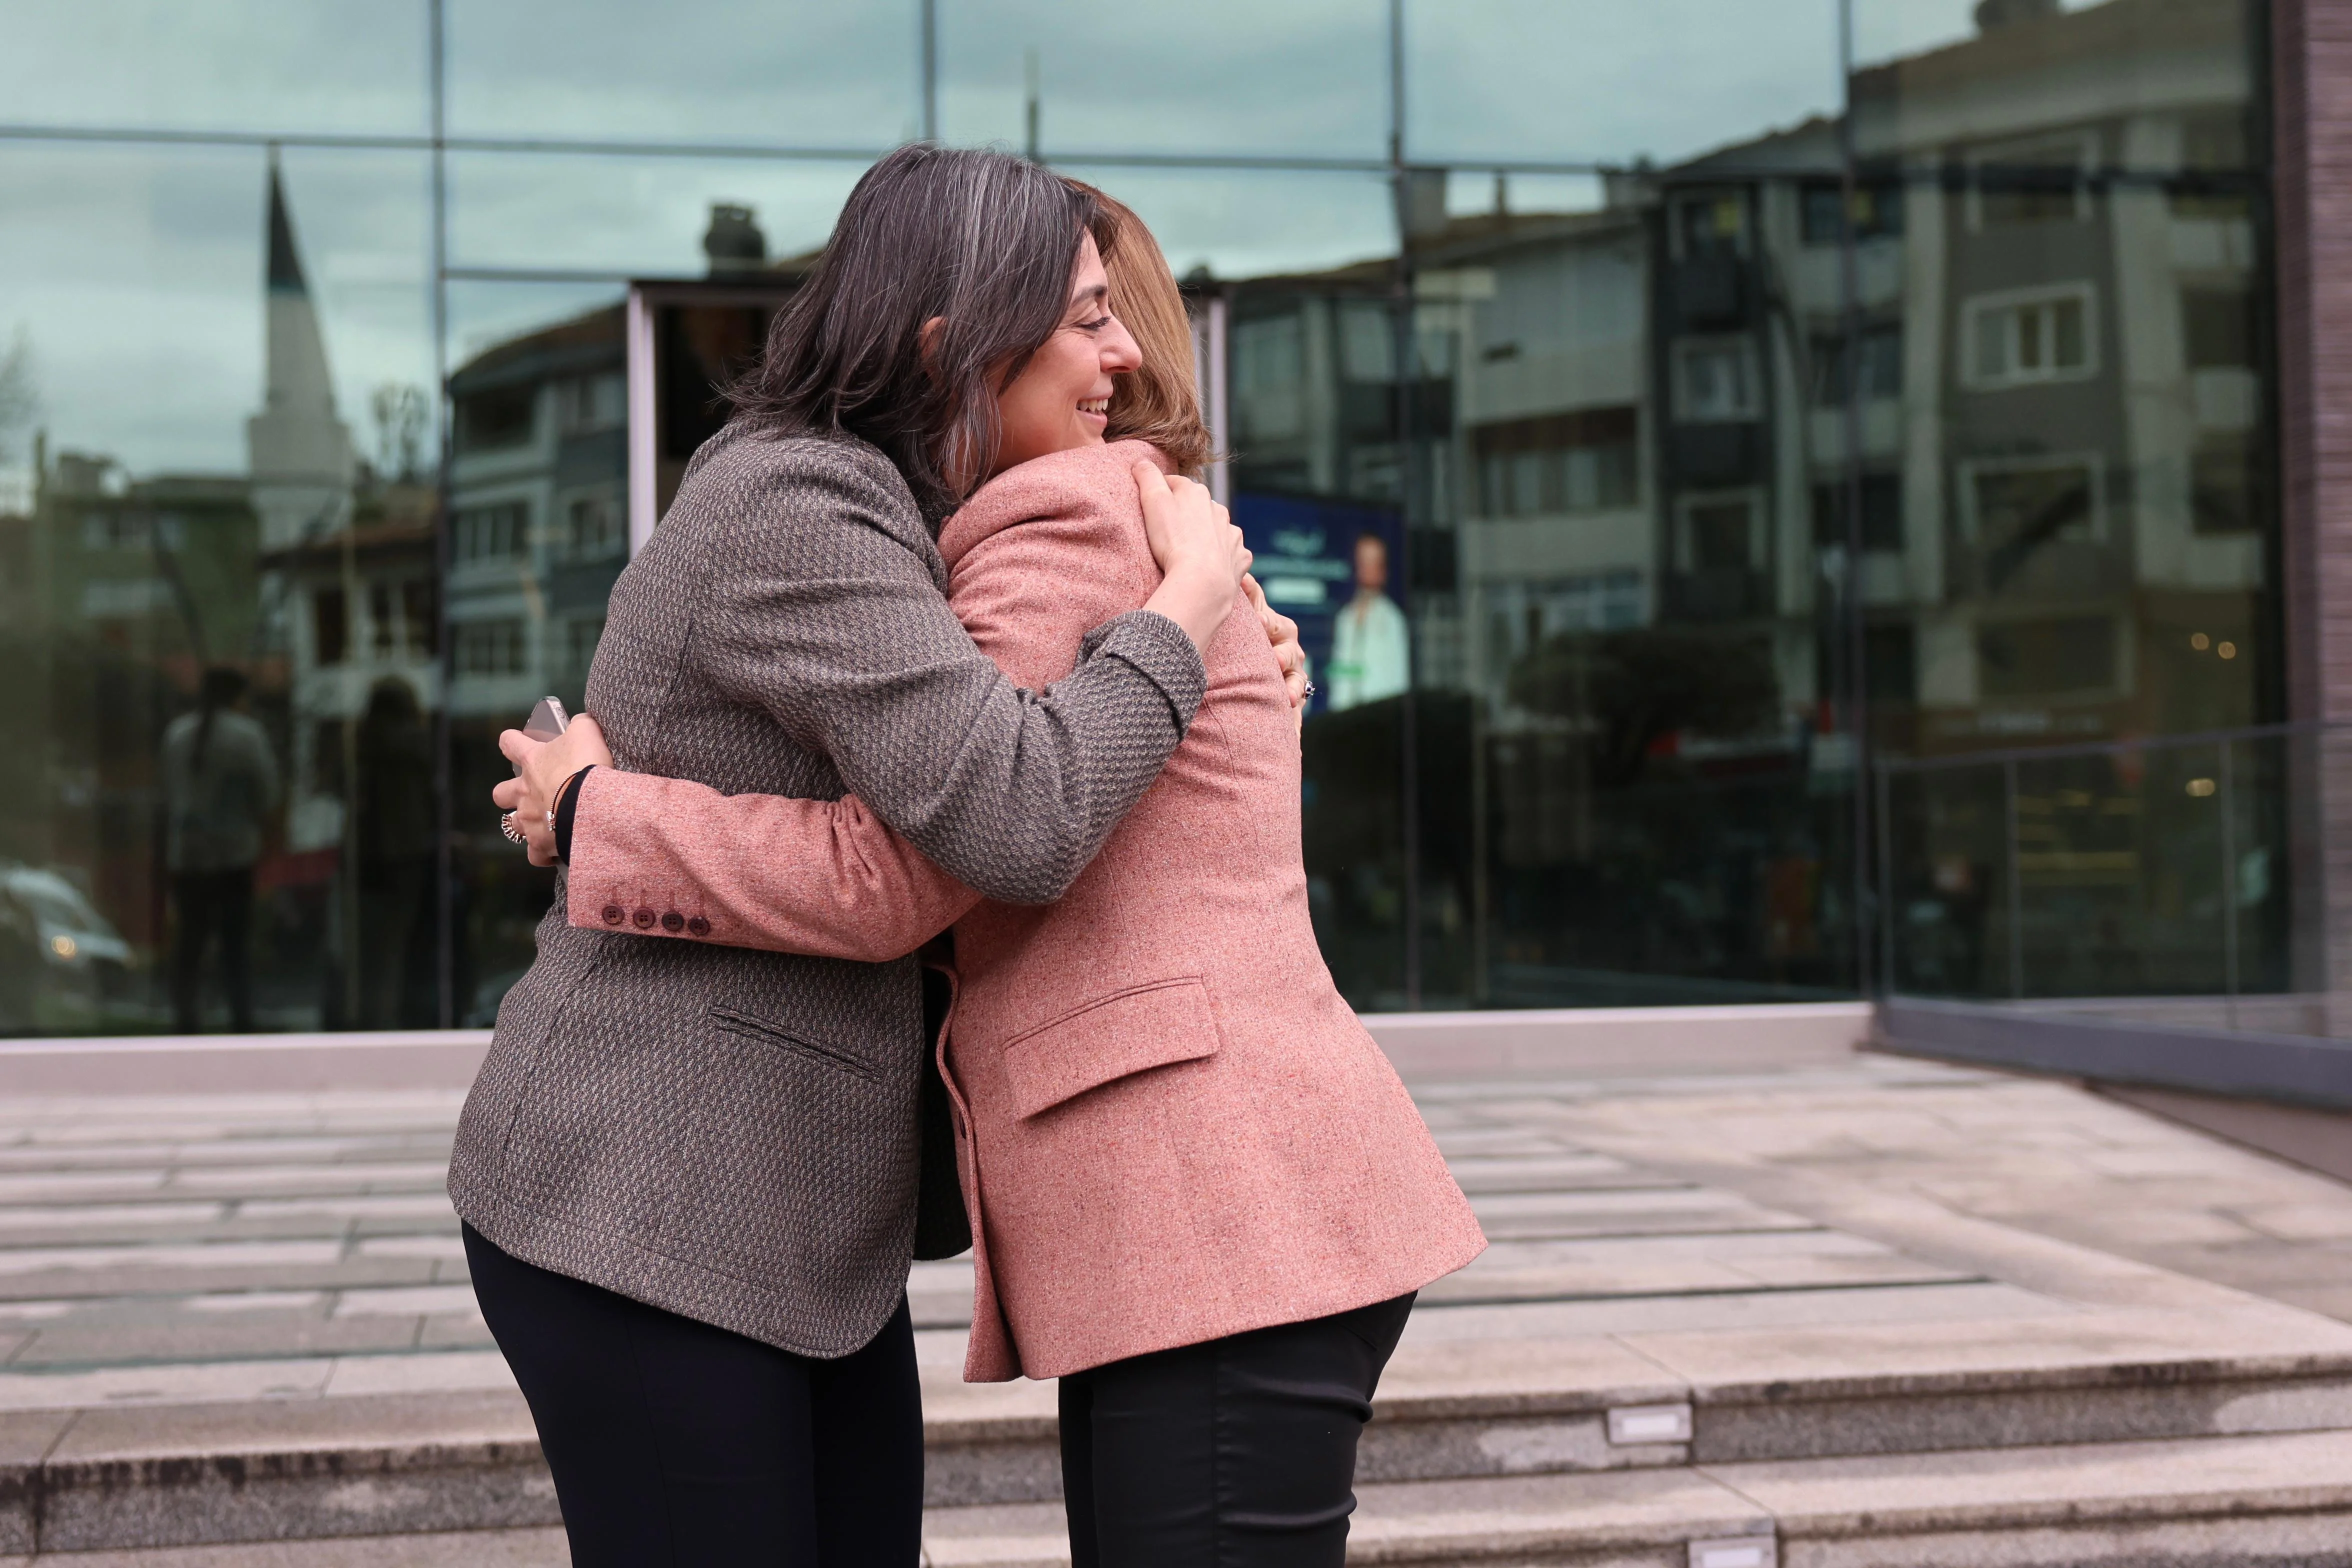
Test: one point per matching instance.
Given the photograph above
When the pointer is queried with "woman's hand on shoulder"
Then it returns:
(1283, 633)
(1202, 557)
(541, 768)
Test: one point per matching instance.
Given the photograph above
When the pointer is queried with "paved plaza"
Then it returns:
(1909, 1246)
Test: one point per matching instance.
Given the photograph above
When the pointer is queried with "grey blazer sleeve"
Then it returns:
(828, 610)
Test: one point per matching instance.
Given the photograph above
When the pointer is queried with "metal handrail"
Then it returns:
(2110, 747)
(2009, 760)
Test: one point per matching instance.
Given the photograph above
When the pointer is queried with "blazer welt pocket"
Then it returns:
(1151, 1026)
(736, 1023)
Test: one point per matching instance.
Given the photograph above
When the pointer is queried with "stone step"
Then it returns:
(1451, 1409)
(2245, 1503)
(1643, 1425)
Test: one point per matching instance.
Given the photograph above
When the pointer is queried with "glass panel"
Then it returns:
(714, 71)
(1945, 919)
(645, 216)
(1605, 82)
(221, 603)
(352, 67)
(1168, 76)
(538, 474)
(1249, 224)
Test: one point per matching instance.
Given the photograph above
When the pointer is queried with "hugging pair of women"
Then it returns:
(940, 651)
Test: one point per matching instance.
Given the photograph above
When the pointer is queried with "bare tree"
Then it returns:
(400, 411)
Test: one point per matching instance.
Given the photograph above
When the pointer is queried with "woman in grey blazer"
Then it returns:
(689, 1172)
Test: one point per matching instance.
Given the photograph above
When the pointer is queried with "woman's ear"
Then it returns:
(926, 345)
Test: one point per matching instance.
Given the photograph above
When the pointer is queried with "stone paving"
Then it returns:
(2031, 1154)
(192, 1252)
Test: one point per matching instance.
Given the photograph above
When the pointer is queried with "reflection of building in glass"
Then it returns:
(1627, 430)
(1639, 435)
(351, 560)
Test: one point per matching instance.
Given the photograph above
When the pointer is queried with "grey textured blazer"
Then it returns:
(729, 1134)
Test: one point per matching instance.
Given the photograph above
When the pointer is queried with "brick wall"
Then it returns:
(2312, 95)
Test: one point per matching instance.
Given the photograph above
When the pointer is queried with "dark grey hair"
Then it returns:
(982, 240)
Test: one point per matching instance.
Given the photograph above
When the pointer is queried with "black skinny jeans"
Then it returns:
(677, 1445)
(1238, 1453)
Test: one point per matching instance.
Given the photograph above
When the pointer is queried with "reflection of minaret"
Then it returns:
(301, 453)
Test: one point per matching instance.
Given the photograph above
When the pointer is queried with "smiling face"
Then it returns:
(1062, 398)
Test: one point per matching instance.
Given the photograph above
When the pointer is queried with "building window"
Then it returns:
(594, 527)
(405, 625)
(2051, 658)
(1716, 380)
(132, 531)
(2217, 326)
(1882, 511)
(422, 608)
(2029, 337)
(1712, 224)
(2222, 484)
(2044, 181)
(1876, 212)
(1559, 463)
(1881, 364)
(488, 648)
(2216, 179)
(493, 533)
(586, 402)
(500, 417)
(330, 625)
(2012, 507)
(1718, 533)
(1269, 377)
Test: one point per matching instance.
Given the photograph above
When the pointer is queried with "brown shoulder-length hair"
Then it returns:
(980, 239)
(1159, 402)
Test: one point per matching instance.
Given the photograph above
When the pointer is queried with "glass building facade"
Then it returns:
(1763, 485)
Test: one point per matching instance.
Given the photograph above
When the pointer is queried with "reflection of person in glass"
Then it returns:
(396, 828)
(220, 785)
(1368, 656)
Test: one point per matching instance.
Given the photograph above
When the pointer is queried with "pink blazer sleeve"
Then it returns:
(665, 857)
(1046, 559)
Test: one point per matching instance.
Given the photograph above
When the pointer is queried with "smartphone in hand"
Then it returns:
(547, 720)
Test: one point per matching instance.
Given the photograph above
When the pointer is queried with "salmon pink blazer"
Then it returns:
(1170, 1127)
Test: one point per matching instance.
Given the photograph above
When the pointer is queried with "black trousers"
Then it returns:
(677, 1445)
(212, 906)
(1238, 1453)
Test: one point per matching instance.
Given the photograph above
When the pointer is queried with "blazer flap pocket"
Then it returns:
(1148, 1026)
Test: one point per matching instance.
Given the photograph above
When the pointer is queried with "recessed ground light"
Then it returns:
(2199, 641)
(2201, 788)
(2228, 650)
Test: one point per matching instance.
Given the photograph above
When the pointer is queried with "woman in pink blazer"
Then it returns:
(1199, 1195)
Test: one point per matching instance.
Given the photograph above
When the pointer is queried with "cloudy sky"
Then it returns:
(136, 270)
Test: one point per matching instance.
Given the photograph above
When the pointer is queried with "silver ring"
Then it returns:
(1310, 689)
(506, 826)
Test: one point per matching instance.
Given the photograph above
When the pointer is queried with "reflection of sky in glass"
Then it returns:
(1472, 191)
(796, 73)
(1241, 225)
(630, 216)
(137, 274)
(484, 315)
(1301, 78)
(1608, 82)
(346, 66)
